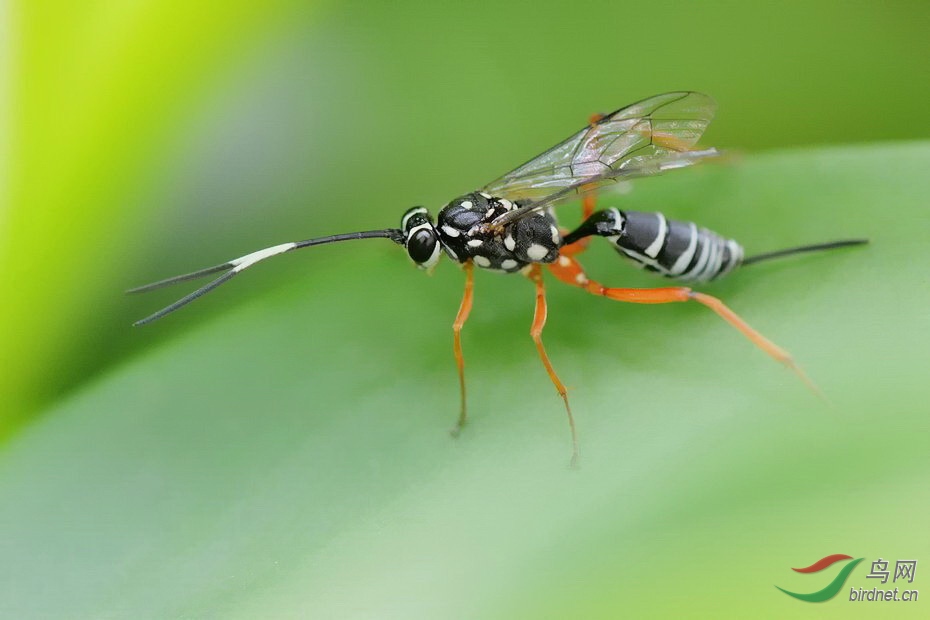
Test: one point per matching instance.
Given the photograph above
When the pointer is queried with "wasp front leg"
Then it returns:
(460, 318)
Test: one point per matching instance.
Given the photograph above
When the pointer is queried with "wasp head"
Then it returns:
(420, 237)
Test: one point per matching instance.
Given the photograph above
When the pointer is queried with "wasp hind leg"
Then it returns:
(539, 321)
(570, 271)
(460, 318)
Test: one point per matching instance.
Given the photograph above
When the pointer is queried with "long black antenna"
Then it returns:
(244, 262)
(803, 248)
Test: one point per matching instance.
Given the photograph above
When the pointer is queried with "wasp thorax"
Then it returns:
(420, 237)
(465, 231)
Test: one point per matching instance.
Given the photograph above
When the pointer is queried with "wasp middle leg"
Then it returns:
(539, 321)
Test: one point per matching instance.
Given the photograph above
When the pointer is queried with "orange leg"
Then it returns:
(576, 248)
(588, 204)
(587, 209)
(460, 318)
(539, 321)
(569, 270)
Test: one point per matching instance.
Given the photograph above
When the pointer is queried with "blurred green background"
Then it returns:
(278, 448)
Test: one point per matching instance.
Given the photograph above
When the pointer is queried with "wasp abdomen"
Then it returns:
(671, 248)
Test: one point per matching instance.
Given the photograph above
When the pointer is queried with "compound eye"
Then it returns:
(421, 246)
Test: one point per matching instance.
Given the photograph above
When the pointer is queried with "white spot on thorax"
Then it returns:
(509, 243)
(467, 204)
(481, 261)
(474, 243)
(537, 252)
(555, 235)
(450, 231)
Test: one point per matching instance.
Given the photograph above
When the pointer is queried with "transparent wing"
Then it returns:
(633, 141)
(654, 165)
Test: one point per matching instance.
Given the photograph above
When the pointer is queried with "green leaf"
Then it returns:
(291, 459)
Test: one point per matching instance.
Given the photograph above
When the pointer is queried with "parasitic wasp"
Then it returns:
(509, 226)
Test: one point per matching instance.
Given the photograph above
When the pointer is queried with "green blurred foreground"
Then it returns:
(290, 459)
